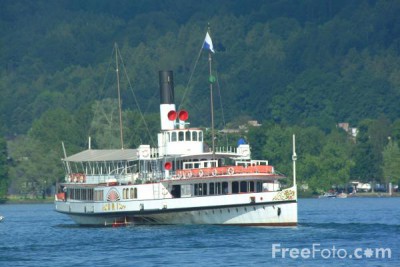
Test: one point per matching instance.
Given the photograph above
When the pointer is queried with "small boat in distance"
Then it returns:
(1, 218)
(328, 195)
(177, 182)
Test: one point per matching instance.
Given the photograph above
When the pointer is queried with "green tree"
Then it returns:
(391, 163)
(105, 126)
(365, 160)
(35, 168)
(4, 176)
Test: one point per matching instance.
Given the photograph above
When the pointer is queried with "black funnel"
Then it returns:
(166, 81)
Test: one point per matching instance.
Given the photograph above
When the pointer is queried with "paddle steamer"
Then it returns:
(181, 181)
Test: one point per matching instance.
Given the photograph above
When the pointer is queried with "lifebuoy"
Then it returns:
(214, 172)
(231, 171)
(201, 173)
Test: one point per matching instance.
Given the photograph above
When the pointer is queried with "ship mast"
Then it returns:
(294, 158)
(119, 97)
(211, 80)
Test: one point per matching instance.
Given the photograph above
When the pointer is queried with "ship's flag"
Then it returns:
(208, 43)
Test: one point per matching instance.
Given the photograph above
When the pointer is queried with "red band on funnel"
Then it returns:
(183, 115)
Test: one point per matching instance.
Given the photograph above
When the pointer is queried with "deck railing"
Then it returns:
(226, 170)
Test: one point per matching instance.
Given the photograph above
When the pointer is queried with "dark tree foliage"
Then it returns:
(4, 179)
(307, 64)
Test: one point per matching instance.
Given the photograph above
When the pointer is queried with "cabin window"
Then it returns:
(259, 187)
(194, 136)
(181, 136)
(243, 187)
(204, 189)
(218, 188)
(235, 187)
(186, 190)
(251, 186)
(168, 137)
(98, 195)
(173, 137)
(131, 193)
(200, 189)
(188, 137)
(212, 191)
(225, 189)
(135, 195)
(188, 166)
(200, 136)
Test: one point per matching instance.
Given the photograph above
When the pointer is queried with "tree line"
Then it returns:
(299, 67)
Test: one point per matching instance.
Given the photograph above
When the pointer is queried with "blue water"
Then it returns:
(331, 232)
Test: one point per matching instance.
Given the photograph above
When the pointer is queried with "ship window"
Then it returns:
(173, 137)
(188, 138)
(168, 137)
(204, 189)
(91, 191)
(225, 189)
(218, 188)
(181, 136)
(194, 136)
(131, 193)
(235, 187)
(200, 136)
(212, 189)
(251, 186)
(259, 187)
(200, 189)
(243, 187)
(98, 195)
(135, 193)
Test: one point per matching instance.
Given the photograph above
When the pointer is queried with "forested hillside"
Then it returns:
(295, 66)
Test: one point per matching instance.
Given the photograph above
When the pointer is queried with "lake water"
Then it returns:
(331, 232)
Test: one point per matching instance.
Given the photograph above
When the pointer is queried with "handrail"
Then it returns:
(226, 170)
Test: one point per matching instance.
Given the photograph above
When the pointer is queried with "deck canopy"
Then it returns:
(104, 155)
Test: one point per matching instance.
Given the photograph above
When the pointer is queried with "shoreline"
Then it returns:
(50, 200)
(366, 194)
(21, 200)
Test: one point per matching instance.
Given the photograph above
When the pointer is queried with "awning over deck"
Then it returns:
(104, 155)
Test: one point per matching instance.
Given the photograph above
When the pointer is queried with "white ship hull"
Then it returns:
(259, 209)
